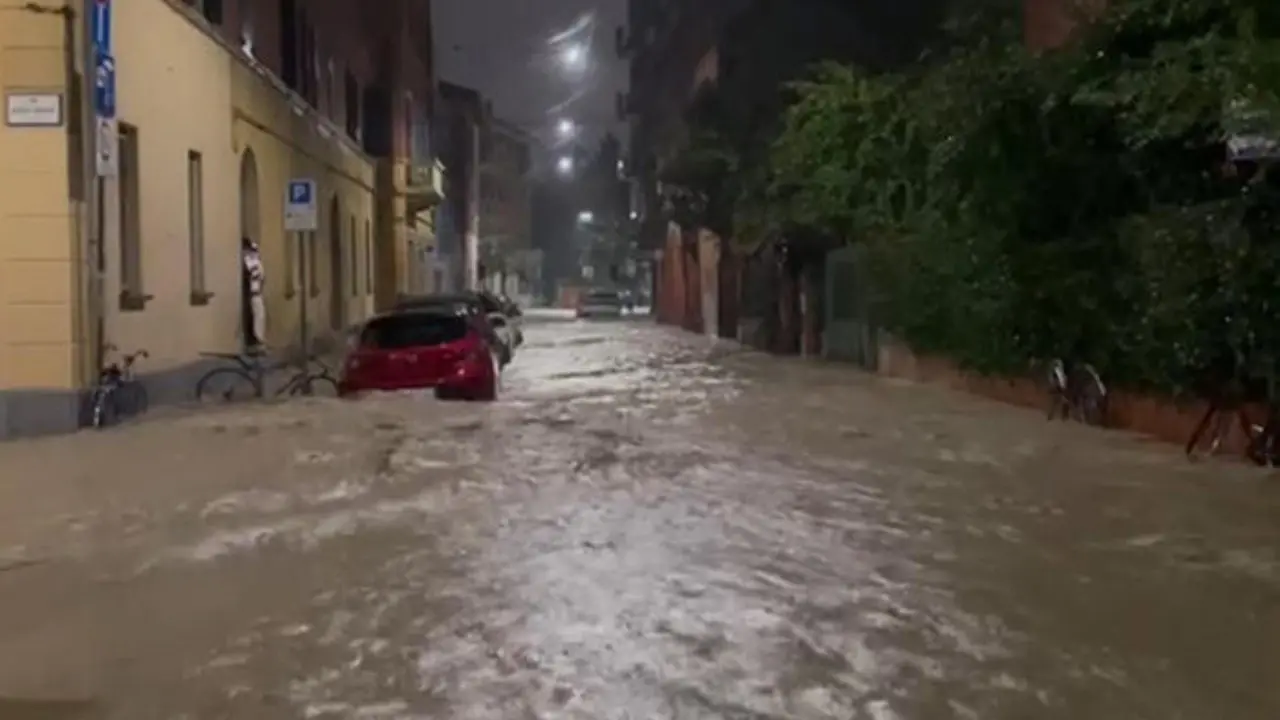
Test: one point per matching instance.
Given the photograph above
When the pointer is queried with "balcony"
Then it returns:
(423, 185)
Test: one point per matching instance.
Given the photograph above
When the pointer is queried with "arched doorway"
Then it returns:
(337, 306)
(251, 228)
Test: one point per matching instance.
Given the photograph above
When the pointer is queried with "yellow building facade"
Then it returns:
(208, 143)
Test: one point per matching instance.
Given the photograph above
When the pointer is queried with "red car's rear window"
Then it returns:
(410, 330)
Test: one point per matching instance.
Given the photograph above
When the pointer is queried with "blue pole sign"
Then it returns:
(104, 85)
(100, 25)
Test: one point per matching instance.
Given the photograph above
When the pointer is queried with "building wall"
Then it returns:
(506, 193)
(388, 56)
(398, 40)
(334, 264)
(246, 128)
(461, 111)
(183, 92)
(39, 223)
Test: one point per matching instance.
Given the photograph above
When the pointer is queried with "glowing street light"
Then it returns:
(574, 56)
(586, 216)
(565, 165)
(566, 129)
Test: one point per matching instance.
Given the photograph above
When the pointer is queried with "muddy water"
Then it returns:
(646, 526)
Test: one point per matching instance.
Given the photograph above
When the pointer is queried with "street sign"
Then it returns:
(100, 25)
(300, 213)
(104, 85)
(33, 109)
(107, 143)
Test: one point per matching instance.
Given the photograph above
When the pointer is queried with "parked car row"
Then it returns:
(455, 344)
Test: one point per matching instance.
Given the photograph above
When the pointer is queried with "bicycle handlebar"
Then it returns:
(126, 359)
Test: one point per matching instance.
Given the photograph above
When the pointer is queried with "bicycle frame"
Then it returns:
(257, 368)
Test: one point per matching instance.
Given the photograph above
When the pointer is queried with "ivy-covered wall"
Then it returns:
(1078, 203)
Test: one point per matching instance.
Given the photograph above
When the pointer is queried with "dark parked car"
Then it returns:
(452, 353)
(477, 304)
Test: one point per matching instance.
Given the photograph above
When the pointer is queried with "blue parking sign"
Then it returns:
(100, 25)
(300, 192)
(300, 212)
(104, 85)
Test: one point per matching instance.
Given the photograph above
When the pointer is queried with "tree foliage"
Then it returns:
(1066, 204)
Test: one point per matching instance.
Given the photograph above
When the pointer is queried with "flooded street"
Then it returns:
(646, 525)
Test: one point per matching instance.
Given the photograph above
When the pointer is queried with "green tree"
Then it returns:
(1070, 204)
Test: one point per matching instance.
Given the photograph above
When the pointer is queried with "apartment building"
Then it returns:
(664, 41)
(130, 236)
(506, 197)
(460, 125)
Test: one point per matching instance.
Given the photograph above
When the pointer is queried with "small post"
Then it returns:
(304, 289)
(302, 219)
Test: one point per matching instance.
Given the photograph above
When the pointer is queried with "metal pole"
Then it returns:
(98, 282)
(304, 335)
(95, 259)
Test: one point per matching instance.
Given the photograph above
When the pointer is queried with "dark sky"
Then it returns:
(510, 50)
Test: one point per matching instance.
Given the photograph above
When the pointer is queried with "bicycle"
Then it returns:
(1078, 393)
(1262, 442)
(247, 378)
(118, 393)
(1264, 446)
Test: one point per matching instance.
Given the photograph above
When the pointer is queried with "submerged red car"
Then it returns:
(450, 353)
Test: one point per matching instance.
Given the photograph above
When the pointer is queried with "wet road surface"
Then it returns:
(647, 525)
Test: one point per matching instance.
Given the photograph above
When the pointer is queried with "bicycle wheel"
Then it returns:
(133, 399)
(1059, 405)
(317, 384)
(225, 384)
(103, 410)
(1264, 445)
(1091, 397)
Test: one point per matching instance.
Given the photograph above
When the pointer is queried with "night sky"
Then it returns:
(509, 50)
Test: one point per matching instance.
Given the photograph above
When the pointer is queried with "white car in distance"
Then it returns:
(600, 304)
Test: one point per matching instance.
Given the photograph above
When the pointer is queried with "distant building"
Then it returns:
(249, 94)
(664, 43)
(462, 119)
(506, 196)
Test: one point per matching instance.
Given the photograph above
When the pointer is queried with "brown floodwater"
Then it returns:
(647, 525)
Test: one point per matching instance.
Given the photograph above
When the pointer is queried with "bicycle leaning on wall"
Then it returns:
(118, 393)
(1076, 392)
(245, 377)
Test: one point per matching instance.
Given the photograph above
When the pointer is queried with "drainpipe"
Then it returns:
(91, 245)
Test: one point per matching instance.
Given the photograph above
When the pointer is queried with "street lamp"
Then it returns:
(566, 129)
(586, 216)
(574, 56)
(565, 165)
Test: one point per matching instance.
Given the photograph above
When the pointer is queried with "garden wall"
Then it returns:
(1158, 418)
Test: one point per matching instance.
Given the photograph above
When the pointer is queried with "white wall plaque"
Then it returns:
(33, 109)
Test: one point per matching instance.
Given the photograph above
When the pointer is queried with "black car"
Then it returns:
(479, 304)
